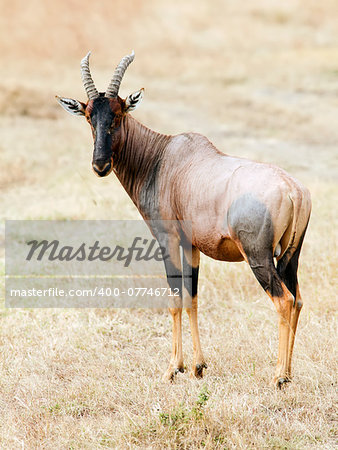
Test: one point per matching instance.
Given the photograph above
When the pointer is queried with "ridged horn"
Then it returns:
(114, 85)
(87, 80)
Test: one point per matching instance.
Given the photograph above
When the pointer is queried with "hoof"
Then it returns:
(197, 371)
(171, 373)
(282, 381)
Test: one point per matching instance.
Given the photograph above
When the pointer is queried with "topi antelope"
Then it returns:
(238, 209)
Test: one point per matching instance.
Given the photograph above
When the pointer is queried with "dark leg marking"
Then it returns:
(174, 275)
(251, 221)
(267, 276)
(287, 268)
(289, 274)
(190, 277)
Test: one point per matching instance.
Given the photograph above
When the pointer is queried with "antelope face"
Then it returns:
(104, 116)
(104, 113)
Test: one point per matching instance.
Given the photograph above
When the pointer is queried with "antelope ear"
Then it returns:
(133, 100)
(72, 106)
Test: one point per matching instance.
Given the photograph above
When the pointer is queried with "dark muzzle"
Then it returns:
(101, 167)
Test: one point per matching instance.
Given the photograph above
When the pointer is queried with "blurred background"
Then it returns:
(260, 80)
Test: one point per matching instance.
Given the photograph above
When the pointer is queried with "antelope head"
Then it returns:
(104, 112)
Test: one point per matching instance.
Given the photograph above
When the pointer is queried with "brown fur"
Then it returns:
(237, 210)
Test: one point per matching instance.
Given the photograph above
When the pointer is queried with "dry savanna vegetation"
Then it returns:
(260, 79)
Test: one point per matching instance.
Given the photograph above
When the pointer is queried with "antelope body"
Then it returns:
(238, 209)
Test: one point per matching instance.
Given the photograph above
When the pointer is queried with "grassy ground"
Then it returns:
(261, 81)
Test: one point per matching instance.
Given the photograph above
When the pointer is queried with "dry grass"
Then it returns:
(261, 81)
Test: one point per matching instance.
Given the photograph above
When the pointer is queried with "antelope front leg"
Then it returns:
(174, 276)
(176, 361)
(191, 258)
